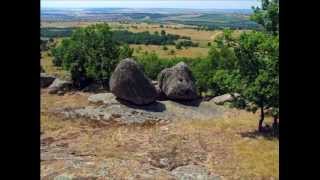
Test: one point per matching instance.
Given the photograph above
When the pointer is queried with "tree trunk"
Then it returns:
(260, 128)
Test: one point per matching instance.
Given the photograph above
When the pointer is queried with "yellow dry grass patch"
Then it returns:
(191, 52)
(49, 68)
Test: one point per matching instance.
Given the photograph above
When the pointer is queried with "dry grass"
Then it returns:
(218, 144)
(49, 68)
(191, 52)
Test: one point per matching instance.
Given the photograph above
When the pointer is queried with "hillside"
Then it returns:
(150, 93)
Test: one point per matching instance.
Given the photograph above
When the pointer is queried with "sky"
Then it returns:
(188, 4)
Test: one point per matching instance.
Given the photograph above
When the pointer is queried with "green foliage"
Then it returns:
(165, 48)
(90, 54)
(172, 52)
(163, 32)
(153, 65)
(267, 15)
(218, 72)
(186, 43)
(144, 38)
(258, 63)
(56, 32)
(126, 51)
(248, 65)
(122, 36)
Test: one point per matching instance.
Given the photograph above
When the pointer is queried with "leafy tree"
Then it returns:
(165, 48)
(172, 52)
(267, 15)
(163, 33)
(258, 63)
(218, 72)
(90, 54)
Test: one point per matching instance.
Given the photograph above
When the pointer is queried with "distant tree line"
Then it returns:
(206, 25)
(124, 36)
(56, 32)
(145, 38)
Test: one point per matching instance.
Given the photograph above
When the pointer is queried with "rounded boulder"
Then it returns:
(128, 82)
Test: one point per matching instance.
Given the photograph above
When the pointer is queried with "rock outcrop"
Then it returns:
(129, 83)
(177, 82)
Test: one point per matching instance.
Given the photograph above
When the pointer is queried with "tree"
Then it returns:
(163, 32)
(248, 65)
(267, 15)
(165, 48)
(258, 63)
(90, 54)
(172, 52)
(218, 72)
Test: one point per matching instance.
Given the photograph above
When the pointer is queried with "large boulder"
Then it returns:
(177, 82)
(129, 83)
(59, 86)
(46, 80)
(220, 100)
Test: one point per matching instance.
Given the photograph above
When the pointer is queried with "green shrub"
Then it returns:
(90, 54)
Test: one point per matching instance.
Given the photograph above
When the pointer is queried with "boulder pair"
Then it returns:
(128, 82)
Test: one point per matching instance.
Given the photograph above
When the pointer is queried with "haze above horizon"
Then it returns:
(190, 4)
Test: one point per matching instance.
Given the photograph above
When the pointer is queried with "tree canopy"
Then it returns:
(90, 54)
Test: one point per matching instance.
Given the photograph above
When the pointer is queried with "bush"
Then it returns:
(152, 65)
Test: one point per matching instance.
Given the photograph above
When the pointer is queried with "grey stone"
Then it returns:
(220, 100)
(177, 83)
(129, 83)
(103, 98)
(59, 85)
(46, 80)
(193, 172)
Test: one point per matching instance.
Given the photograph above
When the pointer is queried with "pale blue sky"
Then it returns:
(189, 4)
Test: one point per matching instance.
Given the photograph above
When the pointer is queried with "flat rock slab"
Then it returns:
(193, 172)
(107, 107)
